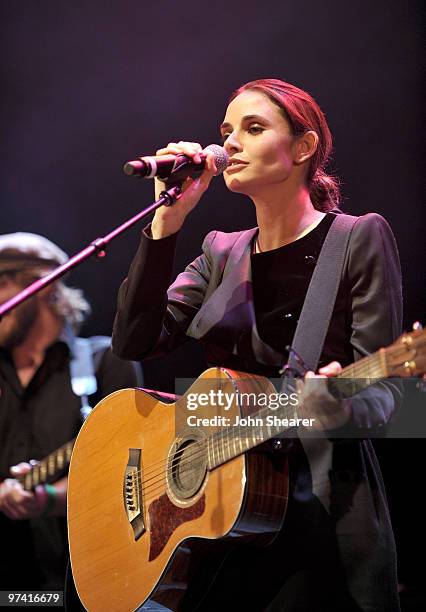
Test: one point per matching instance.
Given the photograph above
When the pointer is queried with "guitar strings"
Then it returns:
(160, 488)
(361, 367)
(217, 436)
(187, 464)
(188, 461)
(150, 470)
(153, 472)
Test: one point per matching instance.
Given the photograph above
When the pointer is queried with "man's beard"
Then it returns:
(15, 326)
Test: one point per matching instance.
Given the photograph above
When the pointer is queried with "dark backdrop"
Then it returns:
(88, 85)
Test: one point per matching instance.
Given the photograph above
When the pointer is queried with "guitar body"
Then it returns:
(139, 519)
(153, 498)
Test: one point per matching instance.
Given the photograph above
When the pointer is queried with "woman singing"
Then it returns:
(242, 298)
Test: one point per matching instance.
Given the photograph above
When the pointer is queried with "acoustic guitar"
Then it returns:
(149, 480)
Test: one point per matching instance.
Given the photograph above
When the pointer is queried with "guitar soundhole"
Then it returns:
(187, 467)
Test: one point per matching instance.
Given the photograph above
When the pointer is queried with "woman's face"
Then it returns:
(259, 143)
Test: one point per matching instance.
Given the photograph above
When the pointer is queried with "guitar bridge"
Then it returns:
(132, 492)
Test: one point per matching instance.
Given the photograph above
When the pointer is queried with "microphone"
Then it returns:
(175, 168)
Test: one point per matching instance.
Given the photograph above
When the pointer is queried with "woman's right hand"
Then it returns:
(169, 219)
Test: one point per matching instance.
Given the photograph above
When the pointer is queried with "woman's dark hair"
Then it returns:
(304, 114)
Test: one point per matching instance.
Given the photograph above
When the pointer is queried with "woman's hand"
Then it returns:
(316, 403)
(169, 219)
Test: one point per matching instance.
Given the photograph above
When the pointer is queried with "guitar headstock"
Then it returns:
(407, 355)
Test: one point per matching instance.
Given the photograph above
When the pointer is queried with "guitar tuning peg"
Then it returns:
(417, 325)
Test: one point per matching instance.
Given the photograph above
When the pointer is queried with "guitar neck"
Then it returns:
(359, 375)
(48, 468)
(266, 424)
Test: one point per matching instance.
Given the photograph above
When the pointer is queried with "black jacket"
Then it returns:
(337, 487)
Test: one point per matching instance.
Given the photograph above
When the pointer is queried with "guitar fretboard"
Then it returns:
(48, 468)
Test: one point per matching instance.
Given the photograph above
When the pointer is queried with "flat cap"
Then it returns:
(22, 251)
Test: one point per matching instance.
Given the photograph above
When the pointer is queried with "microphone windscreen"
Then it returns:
(221, 158)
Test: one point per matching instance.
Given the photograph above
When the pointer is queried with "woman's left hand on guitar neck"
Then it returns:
(316, 402)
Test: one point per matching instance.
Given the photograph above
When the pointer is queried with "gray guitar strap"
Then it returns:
(308, 340)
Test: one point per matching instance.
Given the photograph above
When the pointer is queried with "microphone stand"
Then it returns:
(97, 247)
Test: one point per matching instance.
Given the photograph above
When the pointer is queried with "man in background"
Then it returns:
(42, 367)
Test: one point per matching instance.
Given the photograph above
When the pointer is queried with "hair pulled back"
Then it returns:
(303, 115)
